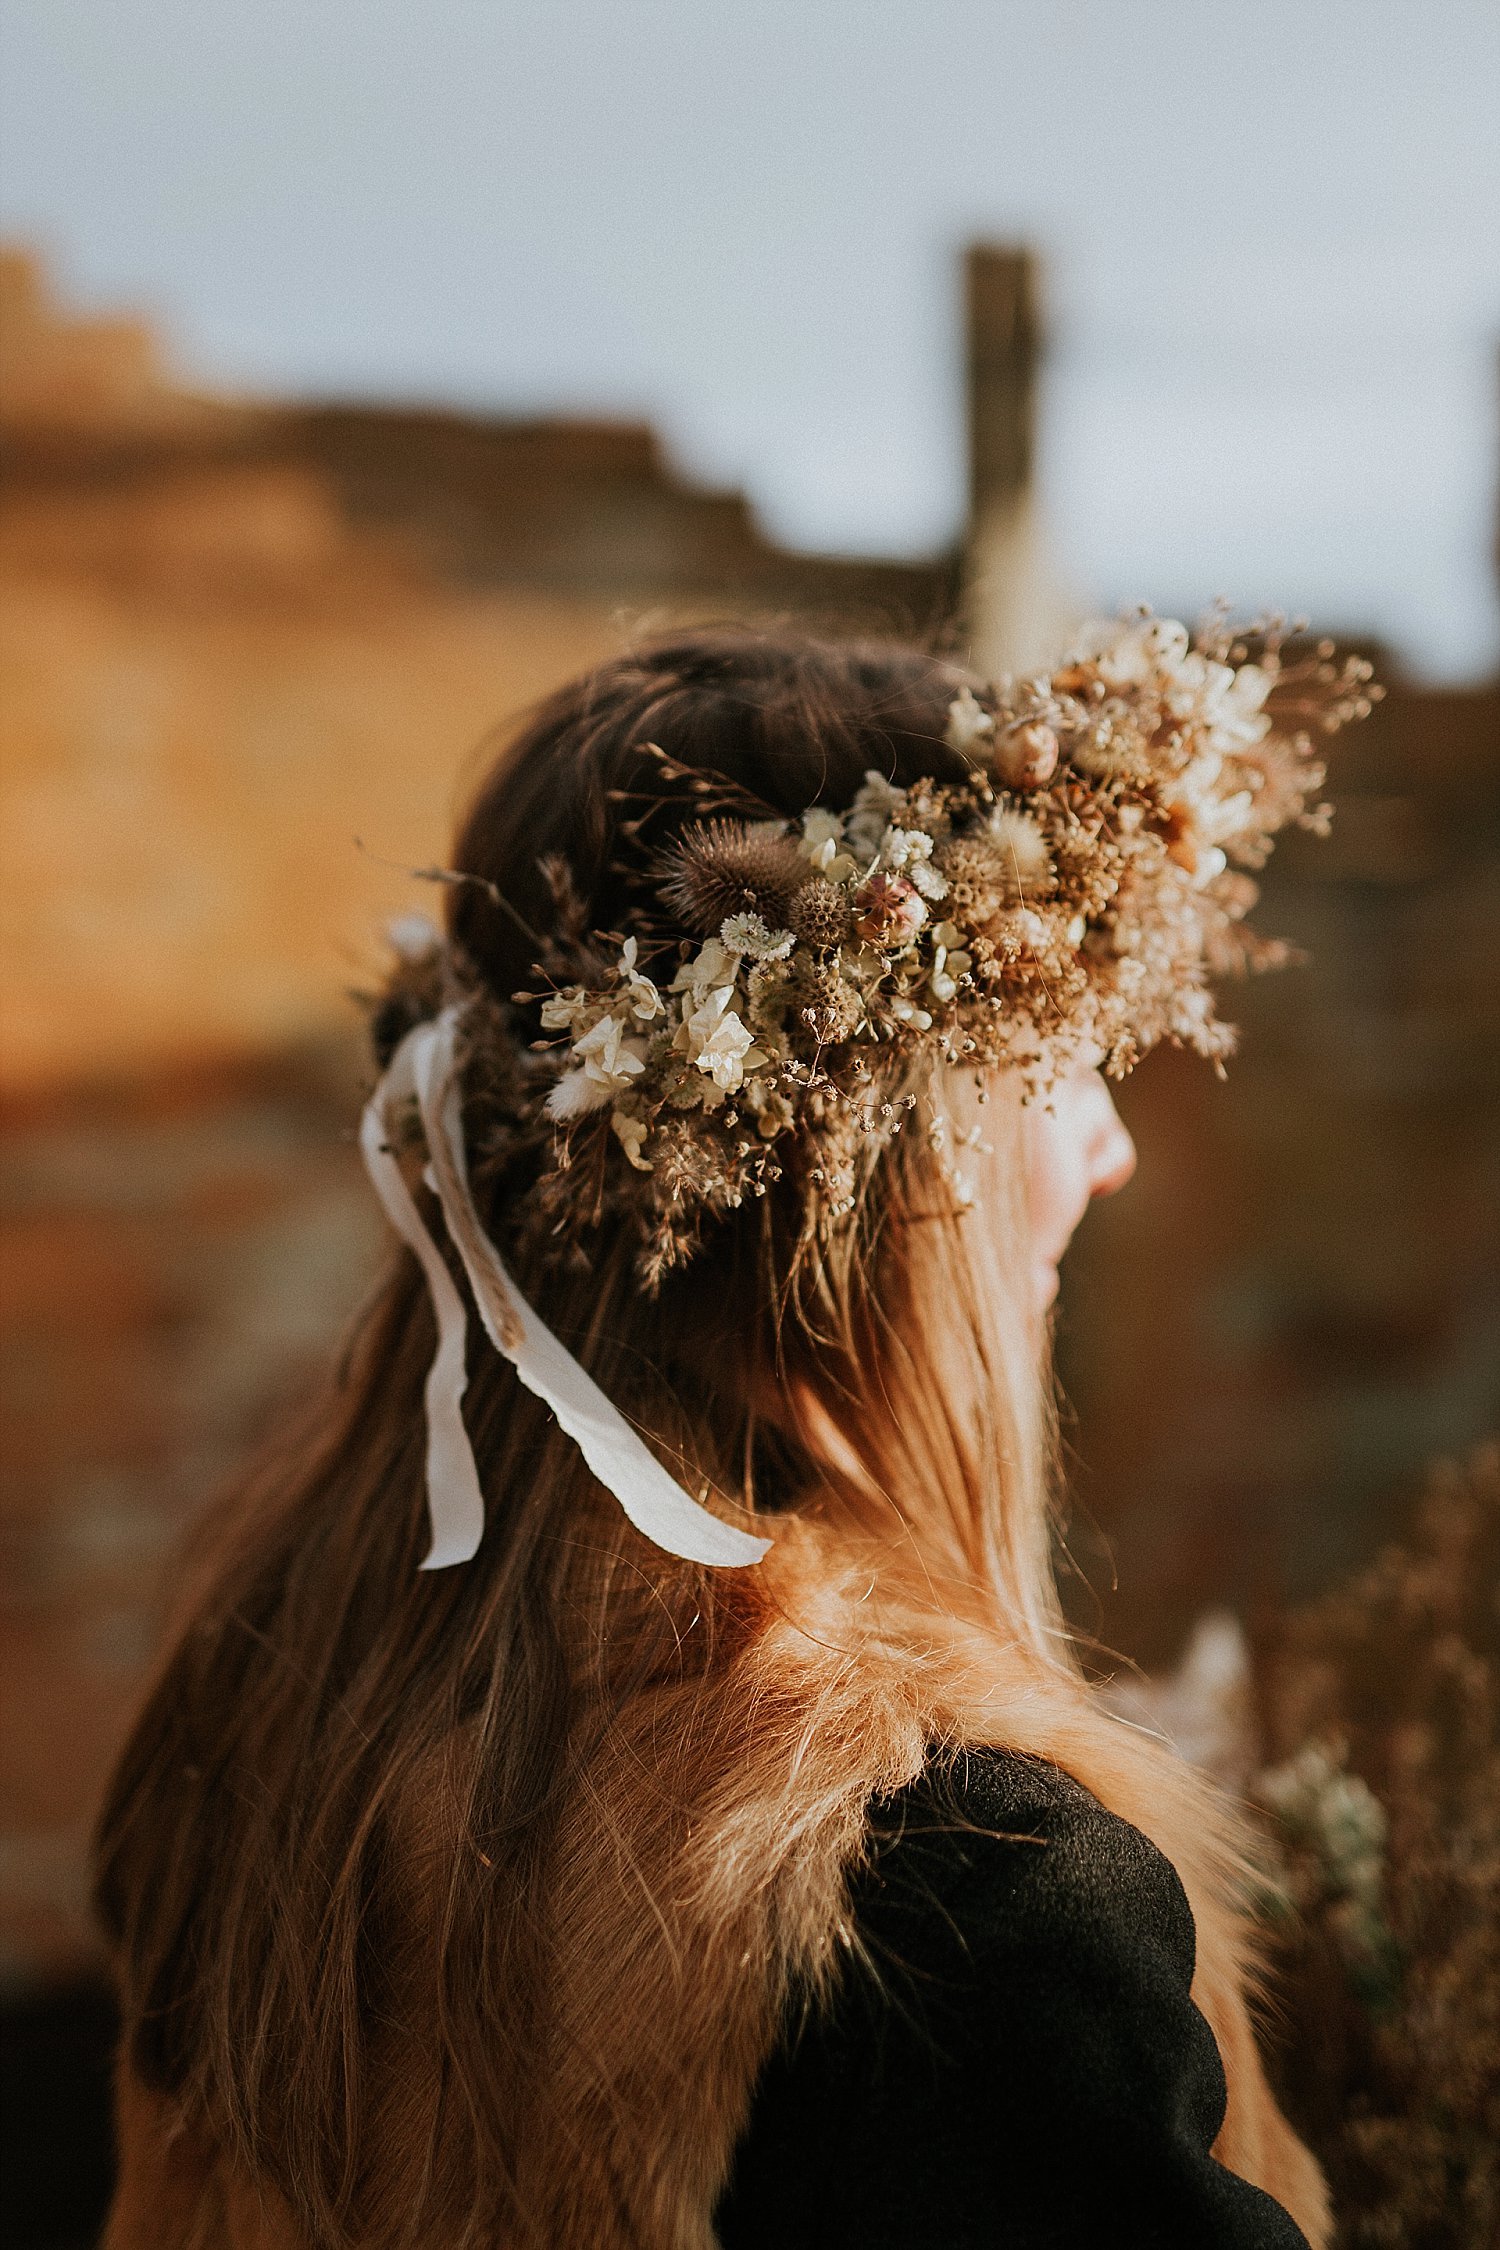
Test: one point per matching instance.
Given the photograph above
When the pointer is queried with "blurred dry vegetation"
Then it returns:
(1381, 1712)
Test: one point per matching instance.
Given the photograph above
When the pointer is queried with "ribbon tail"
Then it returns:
(454, 1501)
(651, 1497)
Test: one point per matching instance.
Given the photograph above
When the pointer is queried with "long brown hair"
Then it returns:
(464, 1906)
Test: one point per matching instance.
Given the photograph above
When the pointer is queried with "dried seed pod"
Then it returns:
(1026, 756)
(829, 1006)
(819, 913)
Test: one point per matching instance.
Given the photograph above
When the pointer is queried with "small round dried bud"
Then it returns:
(1026, 756)
(831, 1008)
(888, 910)
(820, 914)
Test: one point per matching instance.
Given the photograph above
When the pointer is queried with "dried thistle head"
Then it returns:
(721, 867)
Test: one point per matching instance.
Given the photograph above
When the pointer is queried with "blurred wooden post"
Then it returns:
(1017, 616)
(1004, 341)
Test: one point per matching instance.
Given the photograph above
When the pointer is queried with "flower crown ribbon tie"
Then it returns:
(424, 1069)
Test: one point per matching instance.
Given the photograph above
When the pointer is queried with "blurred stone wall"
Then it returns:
(235, 638)
(176, 1257)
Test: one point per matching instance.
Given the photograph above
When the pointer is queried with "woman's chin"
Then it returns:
(1045, 1285)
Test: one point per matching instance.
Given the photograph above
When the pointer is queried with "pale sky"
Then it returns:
(1272, 235)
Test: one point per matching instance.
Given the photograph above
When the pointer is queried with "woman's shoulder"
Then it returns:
(995, 1847)
(1011, 2042)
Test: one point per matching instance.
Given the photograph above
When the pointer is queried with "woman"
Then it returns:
(540, 1837)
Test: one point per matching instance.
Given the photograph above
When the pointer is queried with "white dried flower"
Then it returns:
(642, 997)
(1241, 719)
(942, 985)
(561, 1010)
(968, 722)
(712, 967)
(609, 1059)
(870, 815)
(909, 853)
(1129, 653)
(820, 827)
(1164, 641)
(1198, 687)
(631, 1133)
(748, 933)
(723, 1055)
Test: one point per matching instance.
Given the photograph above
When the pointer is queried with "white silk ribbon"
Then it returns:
(425, 1067)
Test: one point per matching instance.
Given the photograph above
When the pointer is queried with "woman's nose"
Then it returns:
(1113, 1156)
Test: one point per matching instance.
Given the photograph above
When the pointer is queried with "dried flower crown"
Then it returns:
(783, 985)
(1074, 892)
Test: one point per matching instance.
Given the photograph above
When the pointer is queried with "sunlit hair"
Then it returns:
(463, 1907)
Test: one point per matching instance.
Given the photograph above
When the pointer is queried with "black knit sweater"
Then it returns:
(1027, 2070)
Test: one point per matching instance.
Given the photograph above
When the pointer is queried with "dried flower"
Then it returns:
(909, 851)
(978, 882)
(641, 995)
(722, 1055)
(820, 914)
(1383, 1707)
(968, 723)
(609, 1063)
(819, 828)
(1024, 862)
(720, 868)
(560, 1010)
(747, 933)
(870, 815)
(632, 1134)
(827, 1003)
(888, 910)
(1026, 755)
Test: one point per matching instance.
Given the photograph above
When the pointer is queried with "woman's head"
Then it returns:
(884, 1369)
